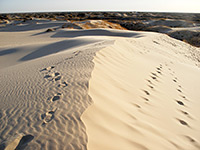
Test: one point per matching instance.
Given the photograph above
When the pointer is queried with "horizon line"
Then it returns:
(65, 11)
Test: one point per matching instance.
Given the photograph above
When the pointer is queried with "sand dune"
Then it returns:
(44, 91)
(145, 96)
(97, 89)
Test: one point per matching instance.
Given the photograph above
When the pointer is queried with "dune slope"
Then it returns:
(145, 96)
(44, 84)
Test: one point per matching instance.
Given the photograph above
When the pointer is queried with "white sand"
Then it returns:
(143, 93)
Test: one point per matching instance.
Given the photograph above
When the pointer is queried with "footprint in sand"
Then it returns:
(63, 84)
(53, 76)
(180, 103)
(56, 97)
(153, 77)
(156, 42)
(159, 72)
(179, 90)
(76, 53)
(69, 58)
(184, 97)
(47, 117)
(194, 142)
(48, 68)
(146, 99)
(158, 69)
(154, 74)
(149, 82)
(184, 112)
(136, 105)
(146, 92)
(187, 114)
(57, 78)
(150, 86)
(47, 76)
(183, 122)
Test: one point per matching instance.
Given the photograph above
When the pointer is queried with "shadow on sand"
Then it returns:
(30, 27)
(94, 32)
(8, 51)
(55, 48)
(67, 44)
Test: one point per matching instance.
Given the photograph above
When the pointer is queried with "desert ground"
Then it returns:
(99, 81)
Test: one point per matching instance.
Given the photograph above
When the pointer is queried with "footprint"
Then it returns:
(136, 105)
(47, 117)
(57, 78)
(146, 92)
(179, 90)
(174, 80)
(63, 84)
(69, 58)
(183, 122)
(47, 76)
(56, 97)
(53, 76)
(146, 99)
(184, 97)
(56, 73)
(154, 74)
(159, 72)
(184, 112)
(158, 69)
(77, 52)
(180, 103)
(48, 68)
(153, 77)
(149, 81)
(156, 42)
(194, 142)
(187, 114)
(150, 86)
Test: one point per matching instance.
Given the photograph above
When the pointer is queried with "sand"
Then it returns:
(145, 96)
(97, 89)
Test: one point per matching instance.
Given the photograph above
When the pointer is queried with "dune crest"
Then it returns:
(144, 96)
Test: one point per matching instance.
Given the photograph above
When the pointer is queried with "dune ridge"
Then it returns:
(145, 96)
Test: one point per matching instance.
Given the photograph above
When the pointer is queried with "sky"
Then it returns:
(12, 6)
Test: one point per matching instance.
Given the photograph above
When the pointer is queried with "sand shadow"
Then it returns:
(30, 27)
(8, 51)
(24, 141)
(17, 144)
(94, 32)
(55, 48)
